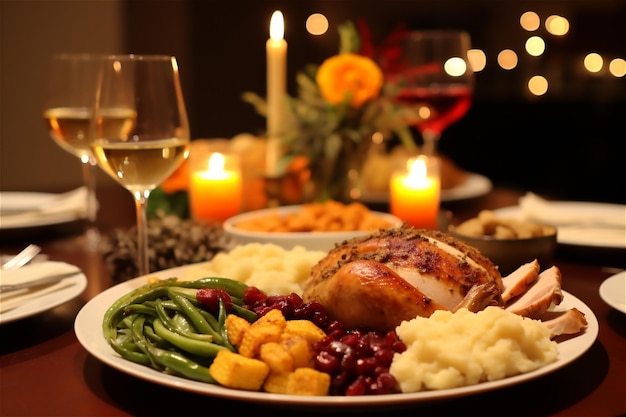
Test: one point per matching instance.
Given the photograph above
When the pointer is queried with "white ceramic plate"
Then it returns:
(88, 328)
(613, 291)
(475, 185)
(47, 301)
(17, 210)
(601, 237)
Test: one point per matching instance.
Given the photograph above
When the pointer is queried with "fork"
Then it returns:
(22, 258)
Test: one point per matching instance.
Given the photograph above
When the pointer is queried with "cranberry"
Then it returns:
(210, 298)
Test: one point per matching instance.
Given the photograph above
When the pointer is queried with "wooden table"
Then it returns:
(44, 371)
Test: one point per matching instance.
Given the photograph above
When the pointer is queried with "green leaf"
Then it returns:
(176, 203)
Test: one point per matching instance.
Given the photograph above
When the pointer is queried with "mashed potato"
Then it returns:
(450, 350)
(266, 266)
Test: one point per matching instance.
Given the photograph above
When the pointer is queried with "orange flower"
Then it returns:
(349, 75)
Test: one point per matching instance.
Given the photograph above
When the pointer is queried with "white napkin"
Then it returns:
(71, 202)
(31, 272)
(594, 224)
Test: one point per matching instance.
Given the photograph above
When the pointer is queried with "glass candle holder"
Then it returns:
(414, 192)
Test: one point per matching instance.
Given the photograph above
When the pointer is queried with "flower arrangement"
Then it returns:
(340, 105)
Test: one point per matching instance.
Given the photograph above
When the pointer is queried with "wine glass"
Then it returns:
(432, 73)
(67, 112)
(141, 130)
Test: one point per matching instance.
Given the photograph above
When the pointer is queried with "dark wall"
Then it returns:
(570, 143)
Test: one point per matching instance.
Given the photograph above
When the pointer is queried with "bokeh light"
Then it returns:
(617, 67)
(317, 24)
(557, 25)
(529, 21)
(593, 62)
(535, 46)
(507, 59)
(455, 66)
(477, 59)
(538, 85)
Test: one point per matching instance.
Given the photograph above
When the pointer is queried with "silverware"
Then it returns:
(22, 258)
(27, 284)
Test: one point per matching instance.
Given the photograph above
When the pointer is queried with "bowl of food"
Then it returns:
(314, 226)
(508, 242)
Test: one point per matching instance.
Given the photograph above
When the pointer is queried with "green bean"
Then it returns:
(180, 324)
(196, 347)
(196, 317)
(131, 355)
(233, 287)
(140, 309)
(115, 313)
(181, 365)
(141, 341)
(191, 295)
(249, 315)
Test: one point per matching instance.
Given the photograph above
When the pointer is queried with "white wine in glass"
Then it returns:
(67, 113)
(141, 131)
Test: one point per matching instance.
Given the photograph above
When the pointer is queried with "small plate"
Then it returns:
(18, 211)
(613, 291)
(47, 301)
(475, 185)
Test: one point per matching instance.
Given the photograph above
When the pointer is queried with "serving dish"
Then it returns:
(613, 291)
(509, 254)
(322, 241)
(88, 329)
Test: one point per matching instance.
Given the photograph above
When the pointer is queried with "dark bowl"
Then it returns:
(509, 254)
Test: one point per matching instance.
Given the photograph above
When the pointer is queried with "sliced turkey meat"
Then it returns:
(545, 292)
(571, 321)
(518, 281)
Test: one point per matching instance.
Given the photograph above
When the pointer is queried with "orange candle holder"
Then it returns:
(215, 191)
(414, 192)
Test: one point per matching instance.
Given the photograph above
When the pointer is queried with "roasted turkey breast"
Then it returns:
(377, 281)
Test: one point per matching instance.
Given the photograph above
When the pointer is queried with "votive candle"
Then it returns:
(415, 193)
(215, 194)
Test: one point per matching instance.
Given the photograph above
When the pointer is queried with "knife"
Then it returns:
(27, 284)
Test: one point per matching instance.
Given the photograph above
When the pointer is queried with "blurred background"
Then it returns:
(563, 135)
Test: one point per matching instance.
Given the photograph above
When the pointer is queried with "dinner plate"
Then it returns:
(18, 210)
(475, 185)
(613, 291)
(581, 235)
(88, 328)
(47, 301)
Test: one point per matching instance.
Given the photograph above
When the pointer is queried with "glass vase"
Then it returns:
(339, 178)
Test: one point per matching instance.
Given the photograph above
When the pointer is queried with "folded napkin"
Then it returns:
(71, 203)
(556, 213)
(31, 272)
(579, 222)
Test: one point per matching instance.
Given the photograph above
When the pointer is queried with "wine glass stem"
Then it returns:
(143, 260)
(89, 179)
(430, 142)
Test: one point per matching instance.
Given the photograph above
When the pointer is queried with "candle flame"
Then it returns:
(417, 169)
(277, 26)
(216, 163)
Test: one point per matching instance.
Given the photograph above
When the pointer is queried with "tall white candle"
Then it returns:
(276, 50)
